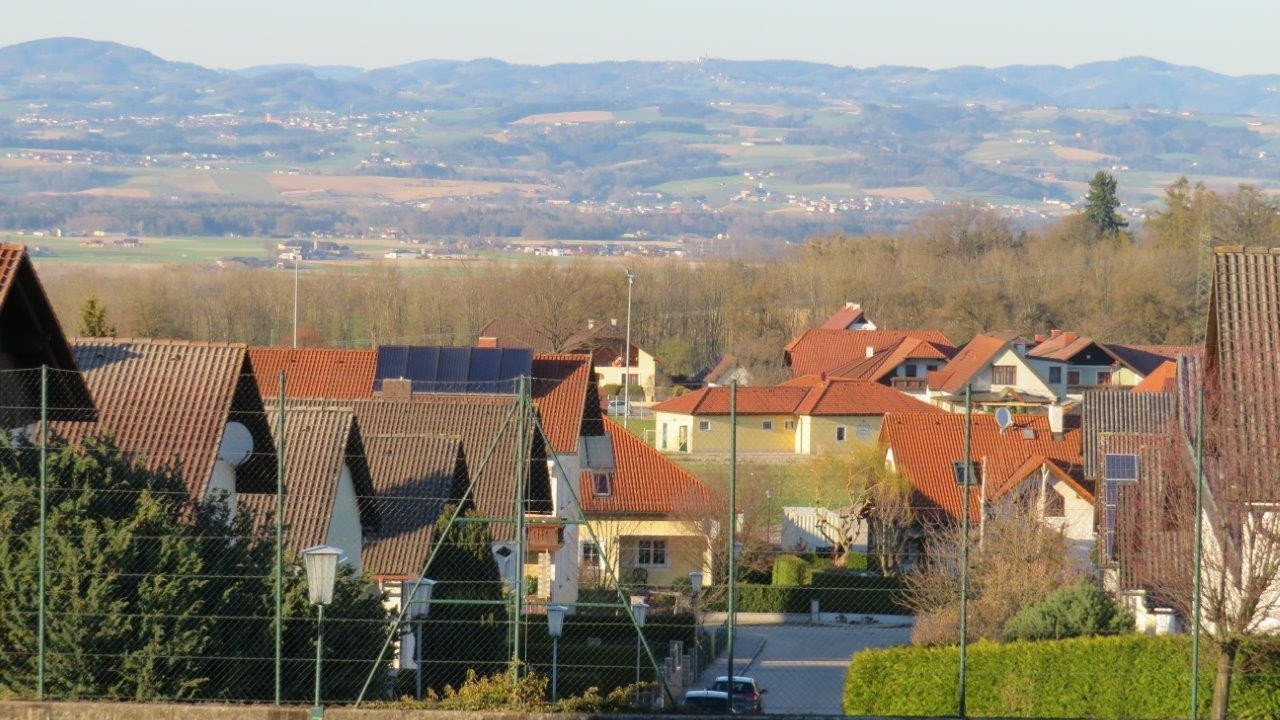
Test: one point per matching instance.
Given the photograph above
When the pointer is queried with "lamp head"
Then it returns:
(555, 620)
(321, 563)
(695, 581)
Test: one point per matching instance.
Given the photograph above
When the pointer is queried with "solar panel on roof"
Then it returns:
(1121, 467)
(454, 369)
(483, 372)
(422, 364)
(392, 363)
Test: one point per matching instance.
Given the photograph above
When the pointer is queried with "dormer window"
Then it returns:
(602, 484)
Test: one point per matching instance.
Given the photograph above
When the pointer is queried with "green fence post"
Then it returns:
(279, 590)
(44, 491)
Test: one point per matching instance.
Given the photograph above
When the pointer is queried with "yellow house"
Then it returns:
(805, 416)
(649, 520)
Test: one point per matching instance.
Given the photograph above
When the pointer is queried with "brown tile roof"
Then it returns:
(1161, 380)
(167, 401)
(646, 483)
(487, 426)
(319, 440)
(564, 391)
(33, 337)
(845, 317)
(603, 341)
(858, 397)
(1146, 359)
(967, 363)
(1062, 346)
(414, 477)
(925, 445)
(314, 372)
(752, 400)
(726, 363)
(881, 365)
(816, 351)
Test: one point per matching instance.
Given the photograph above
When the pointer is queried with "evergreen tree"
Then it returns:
(93, 319)
(1101, 203)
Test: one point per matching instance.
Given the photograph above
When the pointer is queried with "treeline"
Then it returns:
(962, 269)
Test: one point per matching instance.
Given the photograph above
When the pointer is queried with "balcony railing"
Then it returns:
(910, 384)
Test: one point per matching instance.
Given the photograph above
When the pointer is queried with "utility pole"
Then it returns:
(966, 473)
(626, 354)
(295, 296)
(733, 528)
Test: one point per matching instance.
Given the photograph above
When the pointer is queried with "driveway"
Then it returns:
(802, 666)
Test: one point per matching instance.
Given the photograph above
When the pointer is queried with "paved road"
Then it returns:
(803, 666)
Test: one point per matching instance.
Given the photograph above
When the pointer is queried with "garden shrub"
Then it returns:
(1077, 610)
(788, 571)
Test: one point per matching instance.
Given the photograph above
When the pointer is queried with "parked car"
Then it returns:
(620, 407)
(706, 702)
(747, 696)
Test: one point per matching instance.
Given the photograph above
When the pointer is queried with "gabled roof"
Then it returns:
(1057, 469)
(726, 363)
(30, 337)
(414, 477)
(488, 427)
(858, 397)
(444, 369)
(320, 439)
(816, 351)
(972, 358)
(752, 400)
(1146, 359)
(602, 341)
(884, 362)
(565, 394)
(1063, 346)
(314, 372)
(845, 318)
(924, 446)
(646, 483)
(1161, 380)
(167, 401)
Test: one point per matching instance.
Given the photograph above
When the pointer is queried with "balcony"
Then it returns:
(909, 384)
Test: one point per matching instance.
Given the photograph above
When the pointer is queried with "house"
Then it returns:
(726, 370)
(998, 372)
(904, 366)
(602, 341)
(805, 416)
(1034, 459)
(30, 338)
(1072, 362)
(816, 351)
(650, 520)
(849, 317)
(189, 405)
(328, 494)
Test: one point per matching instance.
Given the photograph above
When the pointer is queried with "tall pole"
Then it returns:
(967, 474)
(1195, 578)
(417, 659)
(319, 648)
(555, 668)
(517, 594)
(279, 569)
(733, 525)
(44, 492)
(626, 354)
(295, 296)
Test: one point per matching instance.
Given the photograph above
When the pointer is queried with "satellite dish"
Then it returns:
(236, 445)
(1004, 418)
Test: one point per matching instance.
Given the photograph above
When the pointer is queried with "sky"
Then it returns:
(1229, 36)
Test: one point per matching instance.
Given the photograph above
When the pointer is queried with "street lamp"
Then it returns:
(419, 606)
(695, 587)
(733, 609)
(321, 563)
(638, 612)
(626, 354)
(555, 628)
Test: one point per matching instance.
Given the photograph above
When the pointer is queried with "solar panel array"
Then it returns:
(454, 369)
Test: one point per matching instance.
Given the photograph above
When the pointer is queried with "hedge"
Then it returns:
(1129, 676)
(836, 592)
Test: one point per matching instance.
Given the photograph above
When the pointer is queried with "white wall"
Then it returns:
(565, 471)
(223, 484)
(344, 522)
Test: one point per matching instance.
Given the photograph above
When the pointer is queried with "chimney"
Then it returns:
(1040, 337)
(1054, 333)
(1056, 421)
(591, 324)
(397, 388)
(487, 342)
(870, 351)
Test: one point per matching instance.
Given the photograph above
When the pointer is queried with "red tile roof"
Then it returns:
(925, 445)
(646, 483)
(845, 318)
(1163, 379)
(314, 372)
(884, 362)
(859, 397)
(817, 351)
(414, 477)
(1062, 346)
(727, 362)
(564, 391)
(752, 400)
(971, 359)
(167, 402)
(1146, 359)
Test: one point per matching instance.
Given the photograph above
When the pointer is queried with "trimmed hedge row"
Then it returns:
(836, 592)
(1128, 676)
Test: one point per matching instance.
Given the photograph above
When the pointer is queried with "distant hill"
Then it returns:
(94, 76)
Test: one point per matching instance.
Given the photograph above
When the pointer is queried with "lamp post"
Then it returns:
(638, 611)
(626, 354)
(733, 610)
(695, 587)
(321, 563)
(419, 606)
(555, 628)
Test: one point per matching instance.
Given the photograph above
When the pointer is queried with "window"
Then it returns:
(602, 484)
(975, 470)
(908, 370)
(704, 425)
(932, 368)
(1055, 374)
(590, 553)
(1073, 377)
(1104, 377)
(651, 553)
(663, 435)
(766, 425)
(789, 425)
(842, 432)
(1004, 375)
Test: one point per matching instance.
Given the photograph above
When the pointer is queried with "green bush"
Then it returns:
(610, 390)
(1126, 676)
(788, 571)
(850, 594)
(1078, 610)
